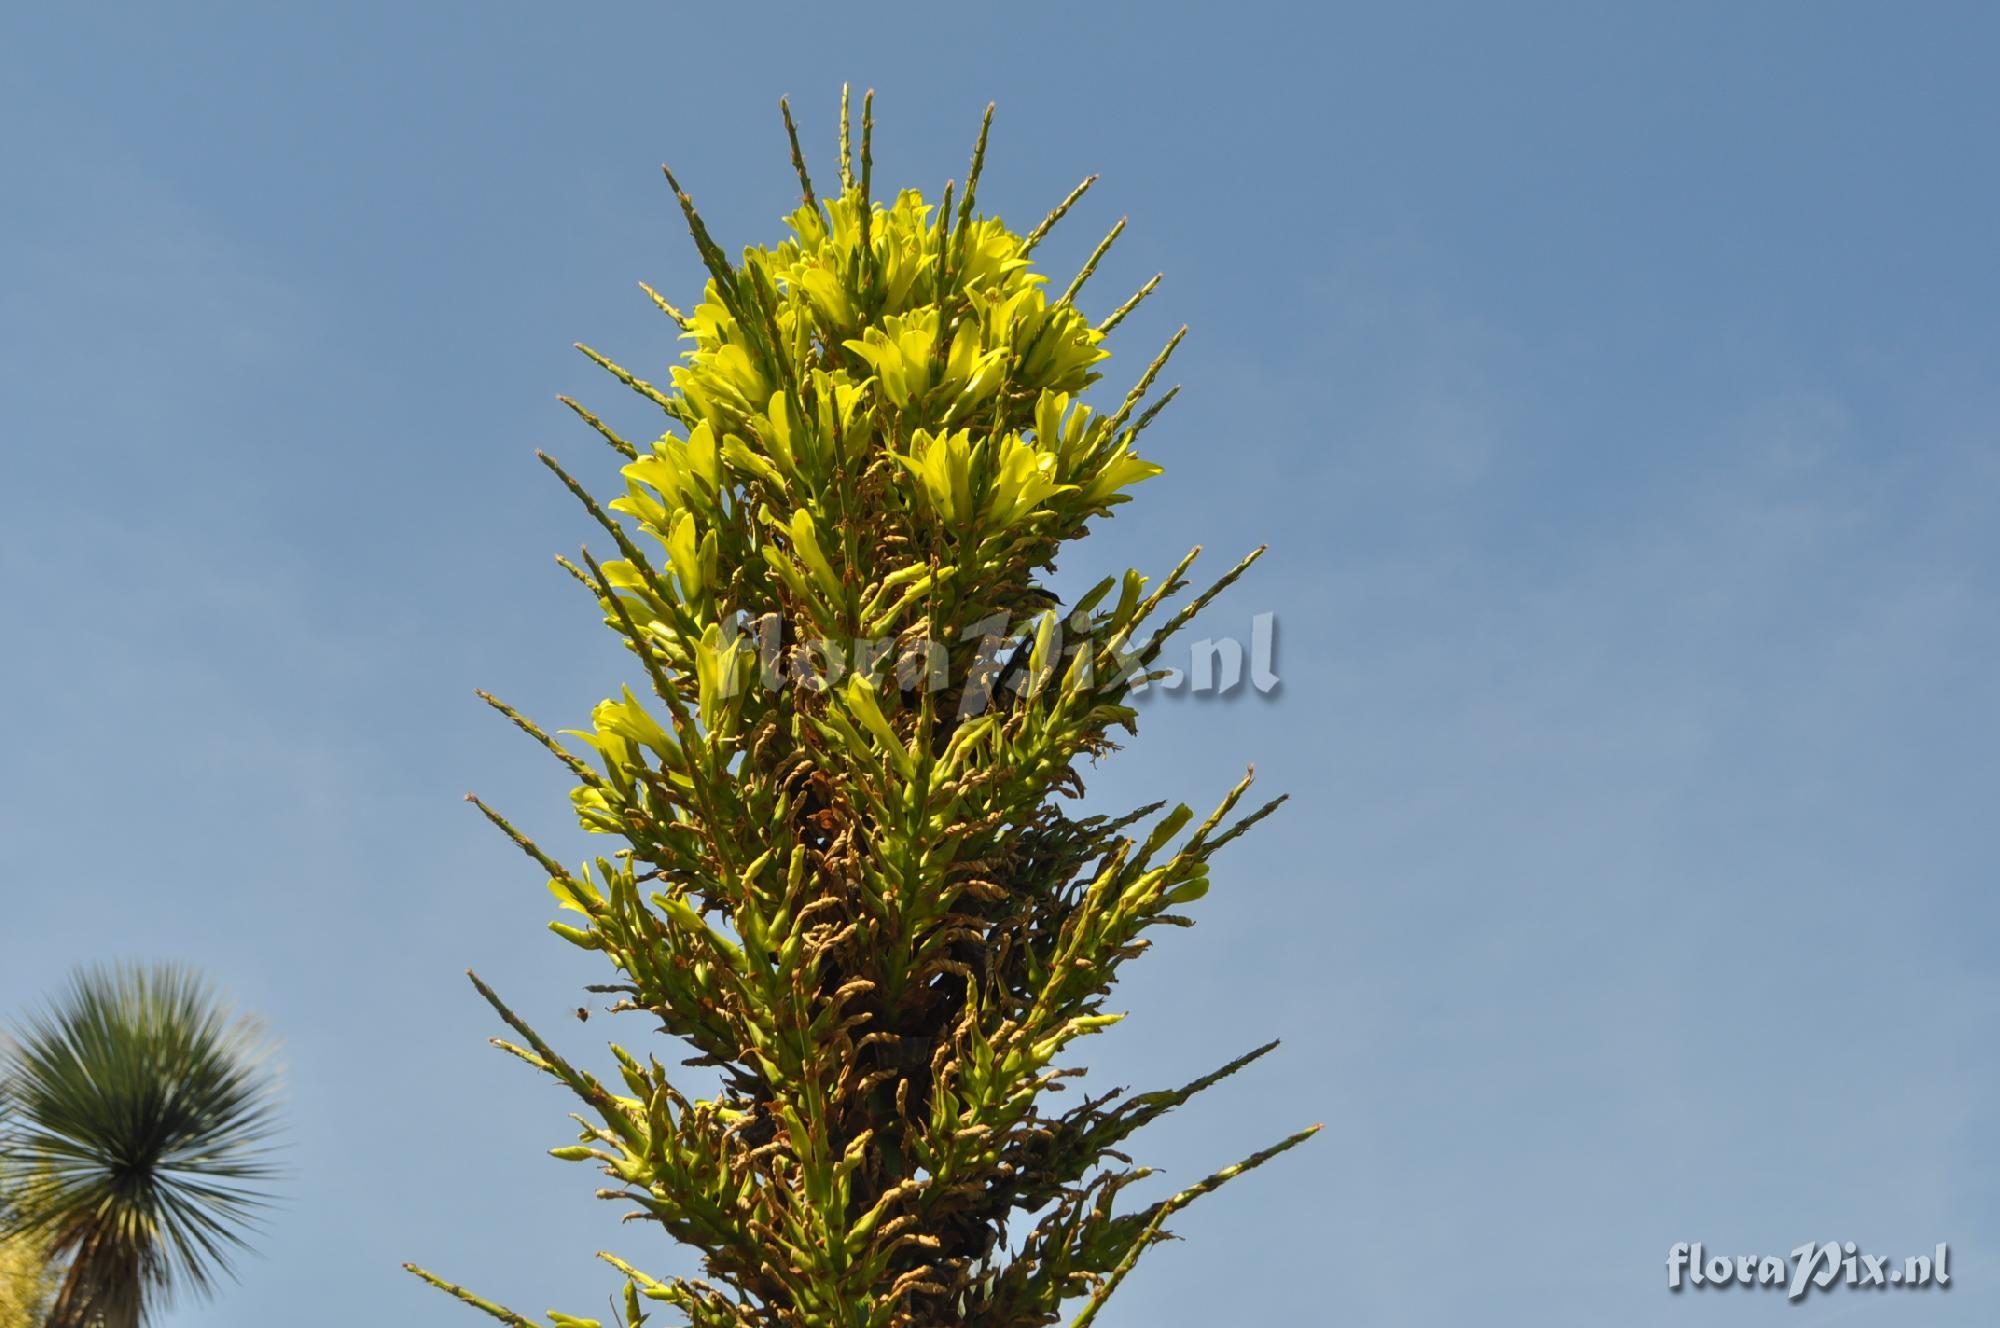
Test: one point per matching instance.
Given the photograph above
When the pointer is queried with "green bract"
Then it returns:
(845, 874)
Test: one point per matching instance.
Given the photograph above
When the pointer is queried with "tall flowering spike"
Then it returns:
(842, 866)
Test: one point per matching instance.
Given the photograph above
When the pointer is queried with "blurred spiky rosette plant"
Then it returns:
(848, 879)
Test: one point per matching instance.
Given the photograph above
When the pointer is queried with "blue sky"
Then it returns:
(1616, 391)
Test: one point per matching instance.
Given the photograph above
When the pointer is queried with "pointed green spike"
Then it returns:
(660, 303)
(798, 156)
(1147, 415)
(1090, 264)
(637, 384)
(1118, 315)
(604, 431)
(846, 146)
(1056, 214)
(712, 256)
(501, 1313)
(1138, 392)
(978, 167)
(867, 146)
(1166, 1208)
